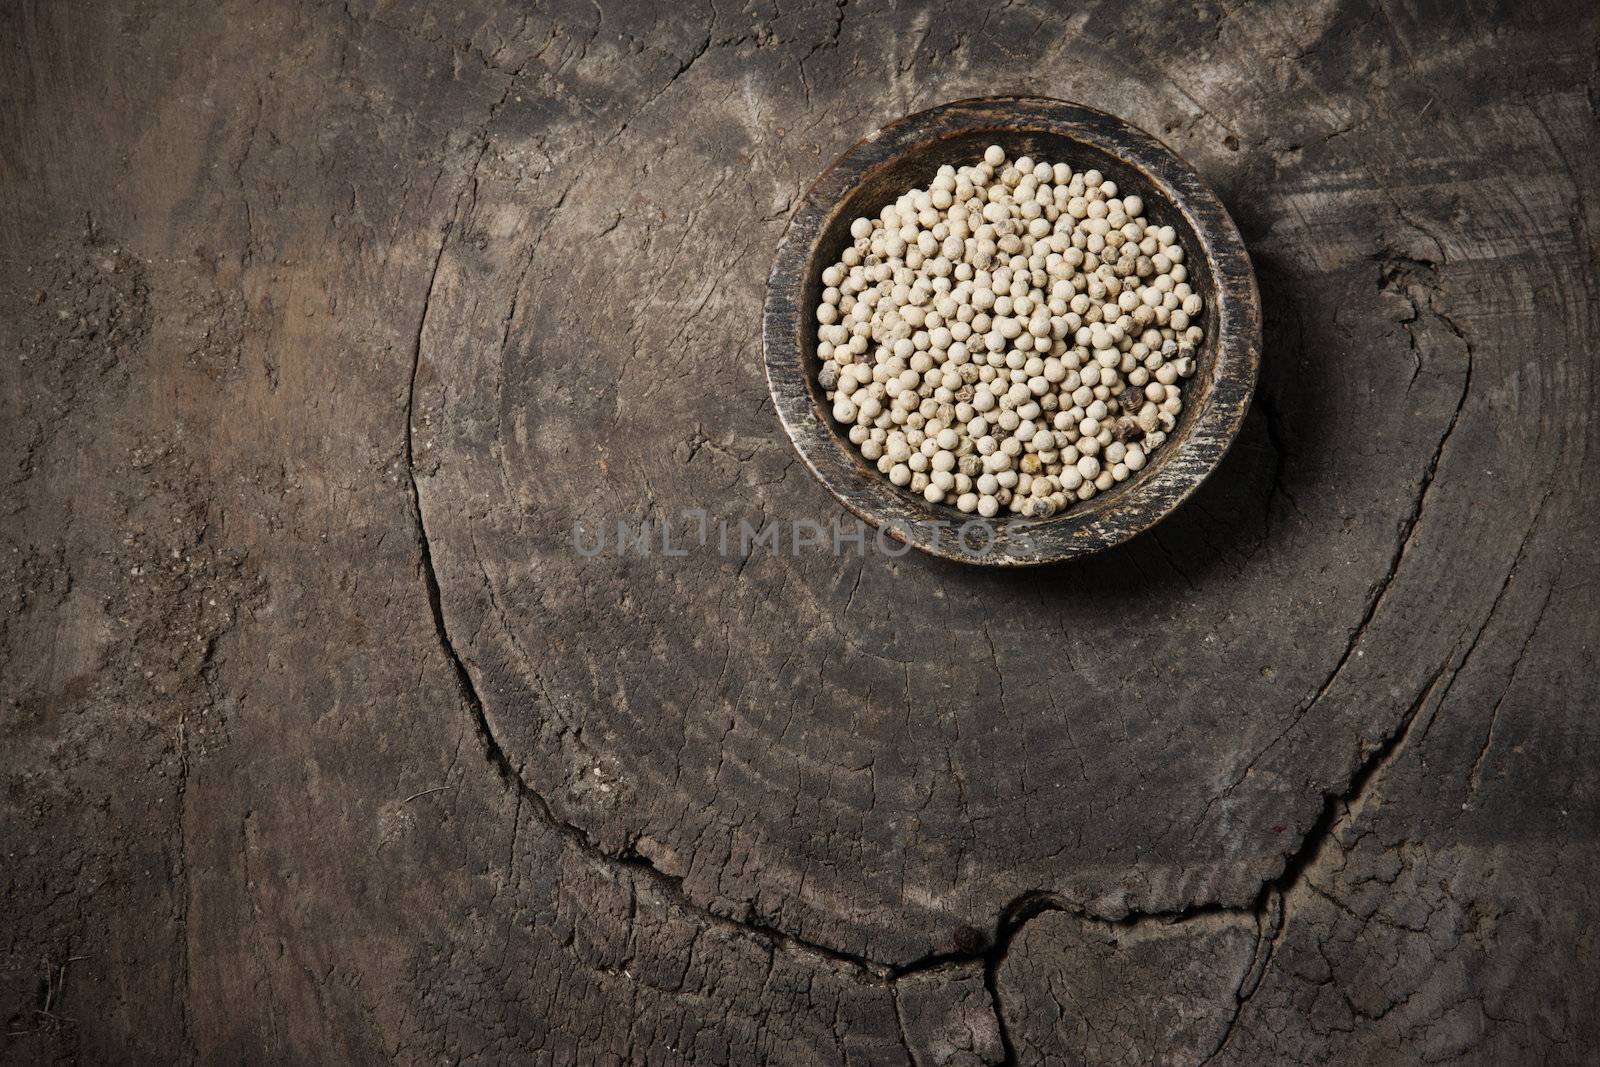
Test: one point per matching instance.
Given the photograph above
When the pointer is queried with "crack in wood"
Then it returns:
(1396, 268)
(1474, 775)
(669, 885)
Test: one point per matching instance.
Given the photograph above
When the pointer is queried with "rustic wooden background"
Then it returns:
(322, 323)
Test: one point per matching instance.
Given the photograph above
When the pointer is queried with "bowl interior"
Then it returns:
(915, 168)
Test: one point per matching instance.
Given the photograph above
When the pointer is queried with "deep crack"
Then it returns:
(669, 885)
(1396, 268)
(1272, 904)
(1260, 958)
(1474, 776)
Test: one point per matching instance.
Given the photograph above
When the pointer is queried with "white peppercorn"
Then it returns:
(1016, 335)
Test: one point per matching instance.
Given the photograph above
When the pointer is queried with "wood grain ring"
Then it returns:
(907, 153)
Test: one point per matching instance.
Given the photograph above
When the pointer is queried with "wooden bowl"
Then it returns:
(906, 154)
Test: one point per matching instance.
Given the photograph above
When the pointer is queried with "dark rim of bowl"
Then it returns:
(1228, 360)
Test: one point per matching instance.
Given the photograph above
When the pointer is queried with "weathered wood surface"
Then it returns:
(324, 321)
